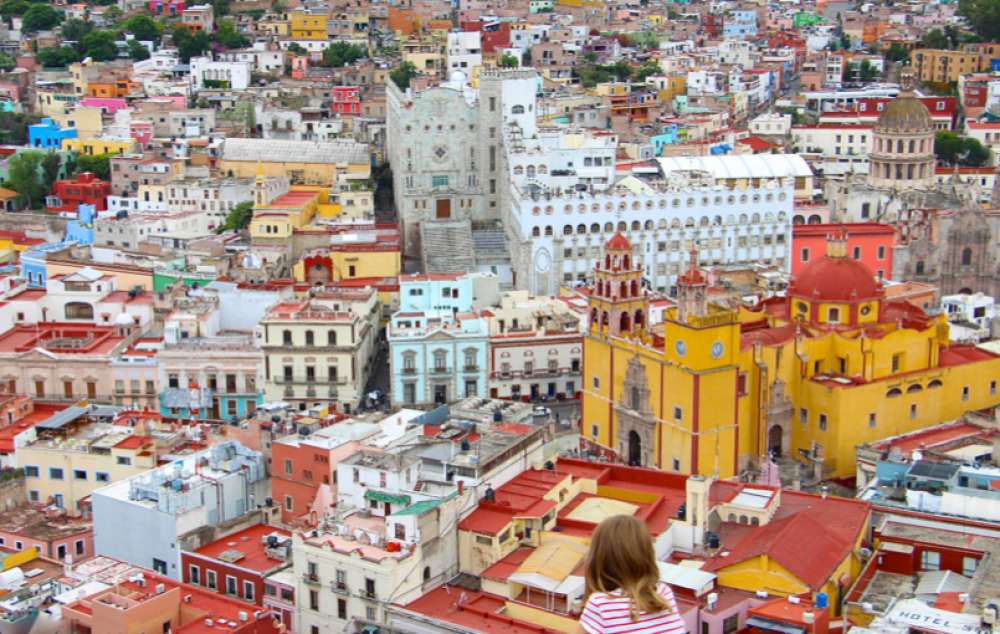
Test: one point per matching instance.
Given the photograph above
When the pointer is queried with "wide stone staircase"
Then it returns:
(447, 246)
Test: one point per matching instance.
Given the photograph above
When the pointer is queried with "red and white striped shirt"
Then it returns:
(610, 614)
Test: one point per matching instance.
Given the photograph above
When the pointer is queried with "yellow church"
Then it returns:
(713, 389)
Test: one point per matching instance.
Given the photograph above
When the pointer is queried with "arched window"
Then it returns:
(626, 262)
(894, 392)
(331, 337)
(548, 230)
(934, 383)
(920, 267)
(581, 229)
(530, 171)
(535, 232)
(967, 256)
(916, 387)
(518, 109)
(625, 323)
(567, 230)
(309, 338)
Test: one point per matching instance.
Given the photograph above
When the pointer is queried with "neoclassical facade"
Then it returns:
(902, 154)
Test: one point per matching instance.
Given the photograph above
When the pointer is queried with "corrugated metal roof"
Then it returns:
(61, 418)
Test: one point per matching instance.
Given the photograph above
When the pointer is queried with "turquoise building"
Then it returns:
(437, 340)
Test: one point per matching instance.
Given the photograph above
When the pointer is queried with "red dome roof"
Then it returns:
(618, 242)
(836, 279)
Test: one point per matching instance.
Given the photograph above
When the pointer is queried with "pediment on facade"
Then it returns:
(37, 354)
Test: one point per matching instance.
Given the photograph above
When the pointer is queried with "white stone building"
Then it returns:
(734, 210)
(836, 149)
(444, 145)
(206, 73)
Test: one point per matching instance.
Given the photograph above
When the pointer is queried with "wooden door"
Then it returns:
(443, 208)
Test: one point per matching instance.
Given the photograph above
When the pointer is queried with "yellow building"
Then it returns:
(305, 25)
(65, 464)
(88, 121)
(944, 66)
(96, 146)
(712, 390)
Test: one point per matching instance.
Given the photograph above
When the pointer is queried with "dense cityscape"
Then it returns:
(382, 317)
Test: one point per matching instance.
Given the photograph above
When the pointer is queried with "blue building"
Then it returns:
(81, 229)
(437, 340)
(437, 357)
(33, 263)
(47, 135)
(739, 25)
(668, 136)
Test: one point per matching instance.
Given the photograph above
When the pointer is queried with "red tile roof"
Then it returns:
(250, 543)
(477, 611)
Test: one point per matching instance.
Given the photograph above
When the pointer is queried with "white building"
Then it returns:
(732, 209)
(206, 73)
(970, 316)
(140, 520)
(262, 59)
(535, 348)
(771, 124)
(218, 196)
(836, 149)
(465, 51)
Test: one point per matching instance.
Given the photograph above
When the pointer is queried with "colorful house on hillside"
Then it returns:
(47, 135)
(166, 7)
(85, 189)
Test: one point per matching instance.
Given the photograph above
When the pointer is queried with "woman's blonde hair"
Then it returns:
(621, 558)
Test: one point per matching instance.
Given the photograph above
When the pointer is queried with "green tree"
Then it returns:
(14, 127)
(51, 166)
(7, 62)
(341, 54)
(228, 36)
(867, 72)
(100, 45)
(507, 61)
(98, 164)
(402, 74)
(975, 154)
(221, 7)
(646, 39)
(190, 44)
(74, 29)
(896, 53)
(40, 17)
(24, 176)
(57, 57)
(143, 28)
(279, 7)
(13, 8)
(113, 14)
(297, 49)
(648, 69)
(953, 149)
(238, 218)
(983, 17)
(845, 41)
(136, 51)
(935, 38)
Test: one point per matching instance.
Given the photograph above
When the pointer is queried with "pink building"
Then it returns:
(110, 105)
(54, 534)
(166, 7)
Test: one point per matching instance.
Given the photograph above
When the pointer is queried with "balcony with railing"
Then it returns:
(440, 369)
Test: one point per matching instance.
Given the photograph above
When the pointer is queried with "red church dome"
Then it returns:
(837, 279)
(618, 242)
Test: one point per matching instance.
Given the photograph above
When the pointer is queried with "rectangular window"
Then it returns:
(439, 181)
(30, 471)
(965, 393)
(194, 574)
(930, 560)
(79, 547)
(913, 411)
(79, 474)
(897, 362)
(211, 581)
(313, 600)
(288, 466)
(880, 253)
(288, 503)
(993, 388)
(803, 415)
(969, 565)
(678, 413)
(871, 420)
(342, 609)
(102, 476)
(231, 585)
(805, 255)
(248, 591)
(55, 473)
(822, 422)
(124, 460)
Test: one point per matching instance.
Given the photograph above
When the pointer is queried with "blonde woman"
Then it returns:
(624, 593)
